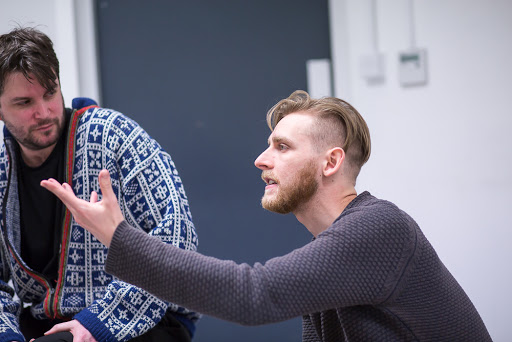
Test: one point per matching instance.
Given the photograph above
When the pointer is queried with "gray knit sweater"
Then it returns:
(371, 276)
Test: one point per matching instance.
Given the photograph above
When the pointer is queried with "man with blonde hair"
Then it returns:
(368, 275)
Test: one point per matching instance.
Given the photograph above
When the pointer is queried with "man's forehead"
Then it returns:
(296, 123)
(30, 77)
(298, 119)
(18, 81)
(293, 127)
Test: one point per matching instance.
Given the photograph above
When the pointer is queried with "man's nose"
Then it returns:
(264, 162)
(41, 110)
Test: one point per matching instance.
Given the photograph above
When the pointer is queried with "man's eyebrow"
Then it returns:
(20, 98)
(278, 139)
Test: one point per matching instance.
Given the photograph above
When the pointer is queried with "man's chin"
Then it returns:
(274, 207)
(40, 145)
(46, 140)
(267, 203)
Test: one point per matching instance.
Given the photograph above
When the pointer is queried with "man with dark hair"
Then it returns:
(57, 268)
(369, 274)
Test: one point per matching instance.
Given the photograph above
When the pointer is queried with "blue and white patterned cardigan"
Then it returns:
(152, 198)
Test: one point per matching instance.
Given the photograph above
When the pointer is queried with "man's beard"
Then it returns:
(290, 197)
(28, 139)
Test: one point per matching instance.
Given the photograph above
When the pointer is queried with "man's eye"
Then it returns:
(282, 147)
(23, 103)
(50, 93)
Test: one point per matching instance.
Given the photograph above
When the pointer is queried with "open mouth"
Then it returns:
(269, 180)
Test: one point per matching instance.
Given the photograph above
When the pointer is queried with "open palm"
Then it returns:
(101, 218)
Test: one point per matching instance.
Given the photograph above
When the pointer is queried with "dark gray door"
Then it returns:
(199, 76)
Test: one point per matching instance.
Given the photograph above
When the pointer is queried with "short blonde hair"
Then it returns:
(337, 124)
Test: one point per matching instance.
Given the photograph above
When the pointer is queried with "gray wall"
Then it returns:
(199, 77)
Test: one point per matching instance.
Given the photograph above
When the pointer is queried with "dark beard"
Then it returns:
(28, 141)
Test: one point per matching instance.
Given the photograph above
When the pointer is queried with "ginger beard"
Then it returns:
(290, 196)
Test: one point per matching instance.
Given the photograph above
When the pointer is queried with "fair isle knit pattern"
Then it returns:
(152, 198)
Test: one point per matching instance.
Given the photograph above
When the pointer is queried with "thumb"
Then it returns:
(106, 186)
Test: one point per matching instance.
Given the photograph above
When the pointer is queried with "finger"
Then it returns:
(58, 191)
(106, 186)
(53, 186)
(66, 326)
(51, 180)
(94, 197)
(64, 192)
(68, 188)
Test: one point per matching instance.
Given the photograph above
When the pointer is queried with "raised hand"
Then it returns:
(80, 333)
(101, 218)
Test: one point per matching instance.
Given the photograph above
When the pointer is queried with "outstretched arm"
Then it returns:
(101, 218)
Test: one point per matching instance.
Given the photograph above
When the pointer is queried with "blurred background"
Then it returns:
(432, 79)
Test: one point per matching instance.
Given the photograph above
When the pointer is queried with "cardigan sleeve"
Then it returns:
(10, 308)
(153, 200)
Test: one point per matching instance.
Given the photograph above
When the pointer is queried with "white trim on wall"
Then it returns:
(65, 48)
(339, 48)
(88, 69)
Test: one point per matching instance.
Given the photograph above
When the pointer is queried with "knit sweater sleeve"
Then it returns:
(351, 263)
(309, 333)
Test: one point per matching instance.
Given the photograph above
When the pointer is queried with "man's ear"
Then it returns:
(334, 159)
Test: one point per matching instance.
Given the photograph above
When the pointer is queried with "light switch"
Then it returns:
(413, 67)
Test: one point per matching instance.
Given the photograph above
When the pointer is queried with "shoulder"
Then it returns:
(100, 113)
(367, 206)
(106, 119)
(368, 215)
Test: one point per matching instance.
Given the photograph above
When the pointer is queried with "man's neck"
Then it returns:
(35, 158)
(323, 210)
